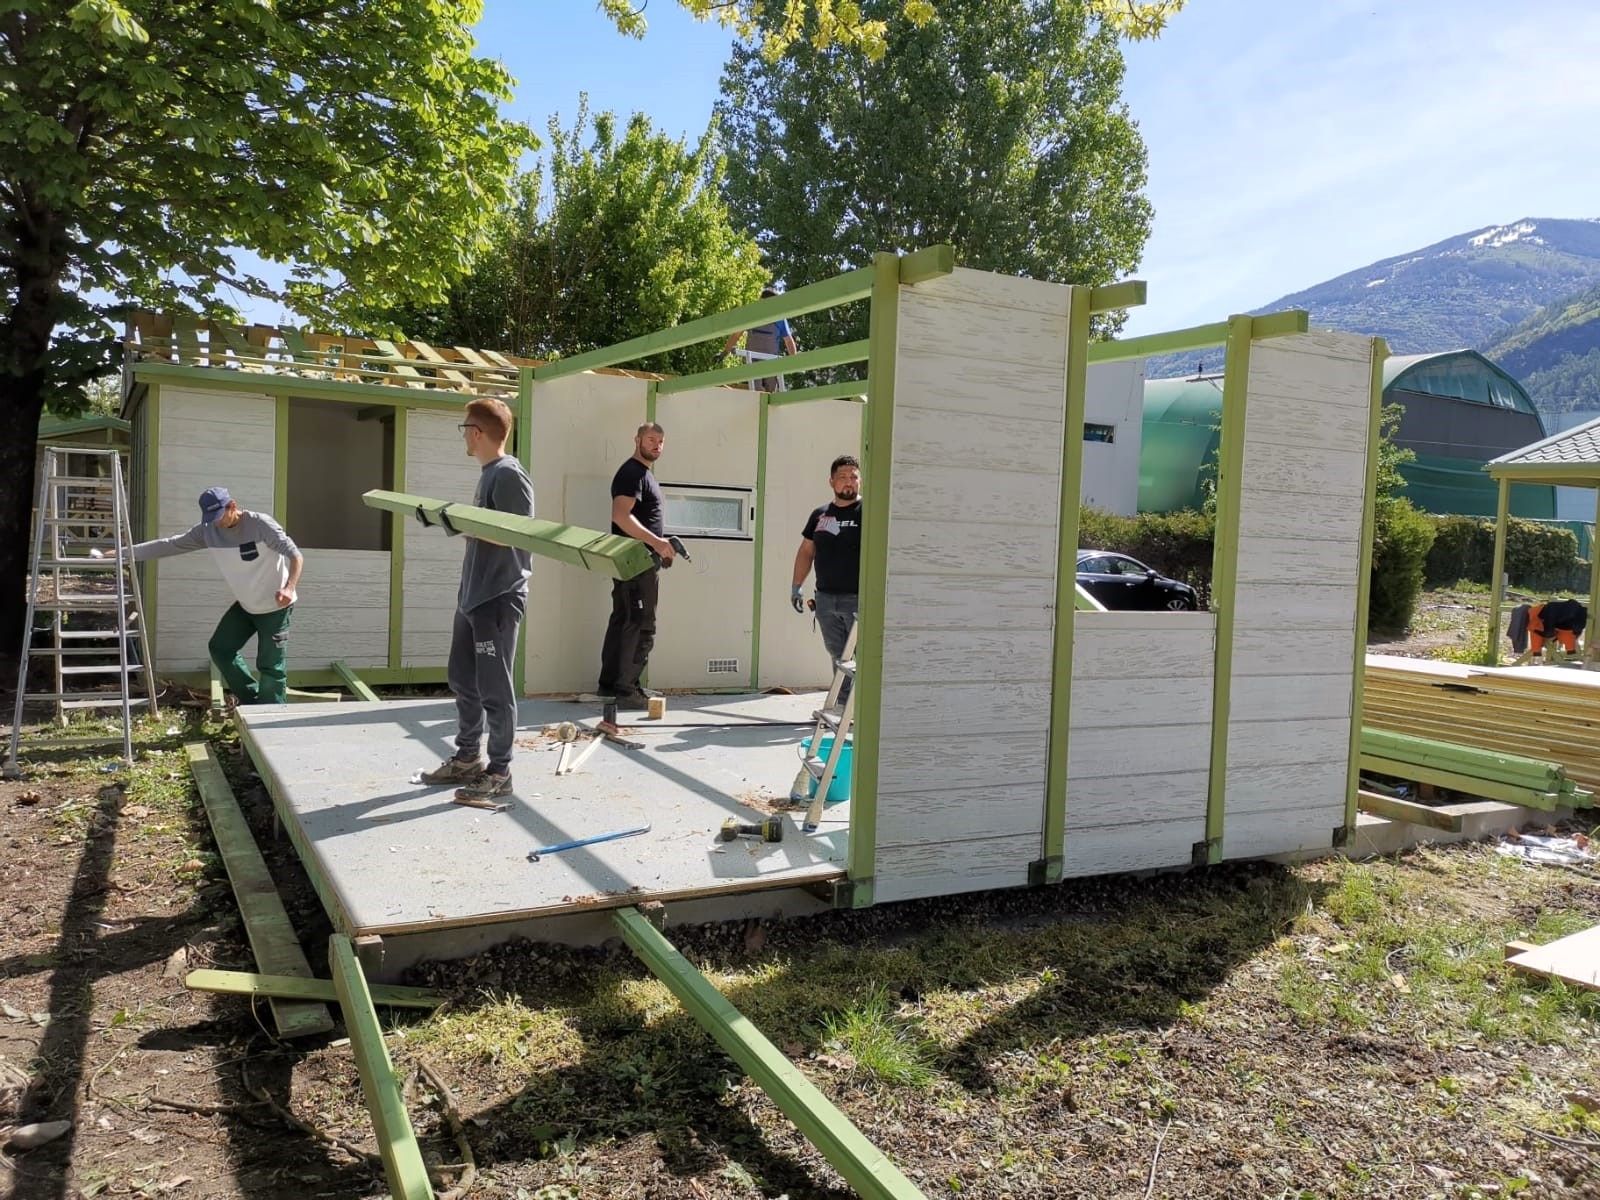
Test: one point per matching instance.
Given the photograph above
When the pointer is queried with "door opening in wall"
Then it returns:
(337, 451)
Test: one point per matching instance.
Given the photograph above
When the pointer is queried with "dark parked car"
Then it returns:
(1120, 582)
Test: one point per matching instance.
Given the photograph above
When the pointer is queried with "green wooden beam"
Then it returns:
(397, 545)
(1281, 324)
(1047, 869)
(358, 689)
(1225, 571)
(272, 938)
(864, 1167)
(291, 987)
(847, 389)
(606, 554)
(1577, 474)
(877, 459)
(1591, 642)
(767, 368)
(1472, 785)
(928, 263)
(397, 1143)
(280, 462)
(213, 379)
(1409, 812)
(1110, 296)
(1380, 351)
(151, 466)
(219, 700)
(525, 457)
(1497, 577)
(841, 289)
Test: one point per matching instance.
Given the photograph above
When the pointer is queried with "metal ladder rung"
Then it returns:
(85, 635)
(828, 717)
(71, 601)
(81, 700)
(75, 564)
(101, 482)
(112, 669)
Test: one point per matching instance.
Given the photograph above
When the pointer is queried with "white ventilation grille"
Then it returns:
(722, 666)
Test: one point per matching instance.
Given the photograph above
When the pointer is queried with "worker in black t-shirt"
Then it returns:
(636, 512)
(831, 543)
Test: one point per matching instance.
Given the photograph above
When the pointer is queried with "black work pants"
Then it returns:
(630, 634)
(483, 649)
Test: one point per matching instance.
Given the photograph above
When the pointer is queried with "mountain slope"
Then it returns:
(1556, 353)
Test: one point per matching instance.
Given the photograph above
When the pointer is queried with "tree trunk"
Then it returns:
(21, 403)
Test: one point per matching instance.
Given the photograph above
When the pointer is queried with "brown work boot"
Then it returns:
(486, 789)
(456, 770)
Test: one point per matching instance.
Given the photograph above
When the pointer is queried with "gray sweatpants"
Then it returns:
(483, 649)
(836, 613)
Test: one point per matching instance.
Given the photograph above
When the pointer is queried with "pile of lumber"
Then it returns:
(1511, 778)
(1548, 714)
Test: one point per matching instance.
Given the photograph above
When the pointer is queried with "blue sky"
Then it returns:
(1288, 142)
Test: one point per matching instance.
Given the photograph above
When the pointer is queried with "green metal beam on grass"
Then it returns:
(291, 987)
(272, 936)
(864, 1167)
(1380, 351)
(767, 368)
(878, 457)
(353, 681)
(1108, 297)
(841, 289)
(928, 263)
(847, 389)
(397, 1143)
(607, 554)
(1047, 868)
(1497, 578)
(1225, 571)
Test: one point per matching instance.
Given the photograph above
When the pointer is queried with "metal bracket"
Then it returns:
(1201, 855)
(1044, 871)
(1342, 835)
(852, 893)
(444, 520)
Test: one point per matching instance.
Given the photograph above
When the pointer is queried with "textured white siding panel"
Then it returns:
(944, 441)
(1147, 846)
(1128, 645)
(950, 656)
(911, 710)
(1134, 799)
(939, 869)
(977, 549)
(960, 602)
(1307, 419)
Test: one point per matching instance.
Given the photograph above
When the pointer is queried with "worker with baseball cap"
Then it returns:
(261, 565)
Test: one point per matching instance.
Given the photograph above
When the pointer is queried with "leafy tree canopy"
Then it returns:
(623, 232)
(780, 24)
(999, 128)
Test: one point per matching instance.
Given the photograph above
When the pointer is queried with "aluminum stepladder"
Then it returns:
(837, 719)
(77, 513)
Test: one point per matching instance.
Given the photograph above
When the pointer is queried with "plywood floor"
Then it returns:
(390, 856)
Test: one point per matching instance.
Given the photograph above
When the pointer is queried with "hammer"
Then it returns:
(768, 830)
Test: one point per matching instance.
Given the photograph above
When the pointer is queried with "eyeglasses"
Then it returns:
(469, 425)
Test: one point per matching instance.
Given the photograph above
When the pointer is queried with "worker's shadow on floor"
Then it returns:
(1105, 955)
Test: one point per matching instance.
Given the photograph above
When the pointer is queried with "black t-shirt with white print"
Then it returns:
(835, 532)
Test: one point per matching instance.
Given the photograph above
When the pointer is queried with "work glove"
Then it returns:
(794, 599)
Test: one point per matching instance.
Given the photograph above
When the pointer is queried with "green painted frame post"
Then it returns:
(864, 1167)
(763, 417)
(1224, 573)
(397, 1142)
(1497, 580)
(1590, 642)
(358, 687)
(883, 336)
(280, 462)
(650, 402)
(1369, 507)
(397, 545)
(1052, 848)
(524, 417)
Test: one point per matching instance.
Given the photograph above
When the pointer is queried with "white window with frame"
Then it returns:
(705, 510)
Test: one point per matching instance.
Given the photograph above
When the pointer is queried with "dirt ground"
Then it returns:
(1323, 1030)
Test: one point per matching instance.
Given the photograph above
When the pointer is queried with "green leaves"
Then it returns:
(999, 127)
(110, 20)
(624, 231)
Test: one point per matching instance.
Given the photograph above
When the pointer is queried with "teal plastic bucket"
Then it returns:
(839, 789)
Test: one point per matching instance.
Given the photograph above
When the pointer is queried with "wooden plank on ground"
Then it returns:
(1574, 959)
(272, 937)
(290, 987)
(1409, 811)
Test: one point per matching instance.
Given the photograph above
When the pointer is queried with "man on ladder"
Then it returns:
(831, 544)
(261, 565)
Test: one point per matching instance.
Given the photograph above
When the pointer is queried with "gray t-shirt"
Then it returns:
(489, 571)
(253, 556)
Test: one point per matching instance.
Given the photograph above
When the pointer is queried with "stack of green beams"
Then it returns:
(1530, 782)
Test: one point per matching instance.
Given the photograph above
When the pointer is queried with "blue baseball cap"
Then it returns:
(213, 502)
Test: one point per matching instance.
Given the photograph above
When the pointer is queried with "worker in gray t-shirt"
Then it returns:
(489, 609)
(262, 567)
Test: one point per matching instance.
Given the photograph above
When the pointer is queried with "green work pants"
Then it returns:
(271, 631)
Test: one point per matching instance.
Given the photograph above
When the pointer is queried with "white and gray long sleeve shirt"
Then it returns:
(253, 556)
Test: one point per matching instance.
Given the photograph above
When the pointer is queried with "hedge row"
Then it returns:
(1538, 557)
